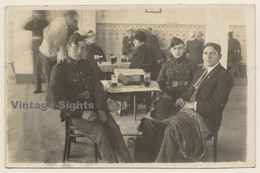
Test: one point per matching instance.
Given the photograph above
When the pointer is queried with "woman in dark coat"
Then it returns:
(141, 55)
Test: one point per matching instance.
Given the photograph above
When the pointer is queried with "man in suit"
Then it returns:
(77, 91)
(200, 114)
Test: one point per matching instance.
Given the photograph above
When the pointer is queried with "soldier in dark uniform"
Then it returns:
(78, 92)
(91, 48)
(36, 25)
(234, 53)
(176, 74)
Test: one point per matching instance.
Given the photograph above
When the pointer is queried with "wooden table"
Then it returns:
(133, 89)
(108, 67)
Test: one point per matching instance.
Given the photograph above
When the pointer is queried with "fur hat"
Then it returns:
(140, 35)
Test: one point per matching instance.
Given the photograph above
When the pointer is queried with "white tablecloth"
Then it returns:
(108, 67)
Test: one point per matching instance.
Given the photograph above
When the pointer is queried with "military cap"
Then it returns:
(176, 41)
(140, 35)
(77, 39)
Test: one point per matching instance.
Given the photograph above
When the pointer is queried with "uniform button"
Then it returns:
(86, 86)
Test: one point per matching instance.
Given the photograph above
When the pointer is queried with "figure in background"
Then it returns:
(141, 55)
(36, 25)
(55, 38)
(128, 44)
(194, 47)
(152, 43)
(234, 54)
(200, 115)
(73, 81)
(91, 48)
(86, 53)
(176, 75)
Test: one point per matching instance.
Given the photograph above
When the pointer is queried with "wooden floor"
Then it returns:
(35, 136)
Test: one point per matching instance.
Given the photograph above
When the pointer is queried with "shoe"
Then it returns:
(37, 91)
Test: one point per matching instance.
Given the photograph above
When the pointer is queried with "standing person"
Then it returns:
(176, 75)
(53, 46)
(36, 25)
(234, 53)
(128, 44)
(74, 82)
(200, 115)
(91, 48)
(141, 55)
(194, 47)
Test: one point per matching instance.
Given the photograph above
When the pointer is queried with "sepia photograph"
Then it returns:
(130, 86)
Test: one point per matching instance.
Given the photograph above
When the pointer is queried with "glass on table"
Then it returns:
(123, 58)
(96, 58)
(100, 59)
(147, 79)
(114, 80)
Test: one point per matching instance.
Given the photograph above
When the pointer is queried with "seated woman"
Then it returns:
(141, 55)
(176, 74)
(200, 114)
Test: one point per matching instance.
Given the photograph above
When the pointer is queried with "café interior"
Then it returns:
(41, 136)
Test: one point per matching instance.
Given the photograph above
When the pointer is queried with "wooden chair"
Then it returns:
(215, 143)
(69, 135)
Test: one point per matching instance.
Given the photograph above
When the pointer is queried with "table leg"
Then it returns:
(134, 106)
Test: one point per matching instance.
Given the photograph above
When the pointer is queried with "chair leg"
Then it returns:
(215, 143)
(121, 108)
(65, 148)
(96, 153)
(68, 148)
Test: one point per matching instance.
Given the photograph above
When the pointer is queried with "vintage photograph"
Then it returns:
(145, 86)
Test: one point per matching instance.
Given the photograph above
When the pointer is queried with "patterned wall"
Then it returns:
(110, 36)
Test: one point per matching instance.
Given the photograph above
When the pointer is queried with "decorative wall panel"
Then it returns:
(110, 36)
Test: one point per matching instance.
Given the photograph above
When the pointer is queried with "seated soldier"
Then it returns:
(176, 74)
(200, 114)
(74, 82)
(91, 48)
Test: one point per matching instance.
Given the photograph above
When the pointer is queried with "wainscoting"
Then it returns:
(110, 36)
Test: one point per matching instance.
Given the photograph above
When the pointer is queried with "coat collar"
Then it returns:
(211, 74)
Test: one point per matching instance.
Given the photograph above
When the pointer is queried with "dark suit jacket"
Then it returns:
(212, 95)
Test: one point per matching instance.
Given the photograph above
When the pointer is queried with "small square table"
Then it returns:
(133, 89)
